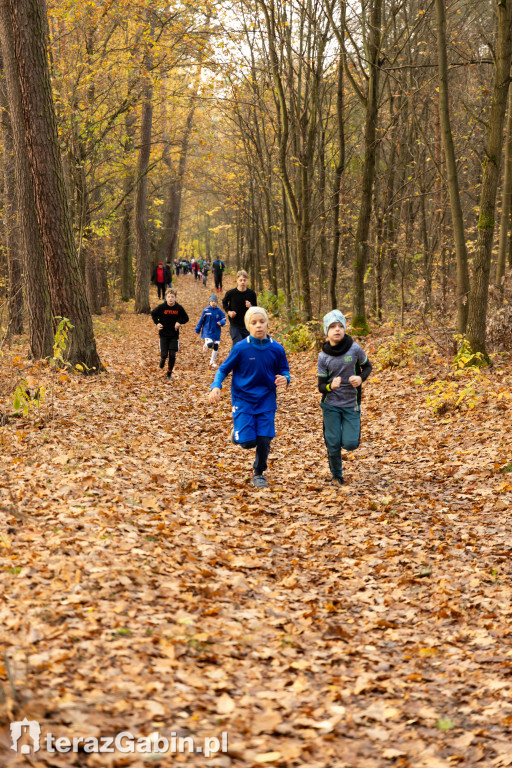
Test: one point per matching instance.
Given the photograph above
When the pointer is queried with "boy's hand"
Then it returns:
(248, 304)
(214, 396)
(336, 383)
(218, 322)
(281, 381)
(356, 381)
(176, 326)
(231, 313)
(159, 327)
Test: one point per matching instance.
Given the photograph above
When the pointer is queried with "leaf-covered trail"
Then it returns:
(147, 586)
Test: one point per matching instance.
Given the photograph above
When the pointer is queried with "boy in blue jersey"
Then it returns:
(209, 326)
(342, 368)
(259, 367)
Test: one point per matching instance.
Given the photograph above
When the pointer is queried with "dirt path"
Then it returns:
(147, 586)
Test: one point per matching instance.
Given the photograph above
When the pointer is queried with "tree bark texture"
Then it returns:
(361, 245)
(169, 246)
(506, 203)
(125, 248)
(12, 240)
(337, 190)
(37, 298)
(462, 288)
(67, 290)
(478, 300)
(142, 274)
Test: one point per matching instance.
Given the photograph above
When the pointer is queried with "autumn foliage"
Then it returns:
(146, 586)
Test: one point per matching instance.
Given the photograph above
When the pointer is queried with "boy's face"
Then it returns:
(258, 326)
(241, 283)
(213, 304)
(335, 333)
(170, 299)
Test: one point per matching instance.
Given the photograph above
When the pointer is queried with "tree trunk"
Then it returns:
(142, 277)
(477, 316)
(451, 171)
(337, 190)
(40, 333)
(506, 205)
(359, 319)
(67, 292)
(12, 241)
(169, 244)
(125, 247)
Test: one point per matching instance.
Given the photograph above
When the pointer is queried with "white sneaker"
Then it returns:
(213, 365)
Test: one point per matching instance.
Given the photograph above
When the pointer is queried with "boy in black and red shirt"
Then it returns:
(168, 317)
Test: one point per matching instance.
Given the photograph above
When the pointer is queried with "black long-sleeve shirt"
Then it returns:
(168, 316)
(234, 301)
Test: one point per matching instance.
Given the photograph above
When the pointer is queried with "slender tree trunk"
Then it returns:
(477, 316)
(40, 333)
(125, 248)
(12, 240)
(338, 177)
(142, 305)
(300, 217)
(506, 205)
(359, 320)
(451, 171)
(169, 244)
(67, 291)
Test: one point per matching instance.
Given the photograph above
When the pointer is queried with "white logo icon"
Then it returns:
(33, 729)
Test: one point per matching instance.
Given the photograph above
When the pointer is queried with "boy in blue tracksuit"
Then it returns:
(342, 368)
(209, 326)
(259, 366)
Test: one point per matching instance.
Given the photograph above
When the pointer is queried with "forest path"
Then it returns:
(147, 586)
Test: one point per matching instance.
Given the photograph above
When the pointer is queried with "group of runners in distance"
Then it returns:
(259, 367)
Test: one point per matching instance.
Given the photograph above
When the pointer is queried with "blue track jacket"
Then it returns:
(207, 324)
(255, 364)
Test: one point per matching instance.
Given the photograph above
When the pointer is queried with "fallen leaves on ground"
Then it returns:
(148, 587)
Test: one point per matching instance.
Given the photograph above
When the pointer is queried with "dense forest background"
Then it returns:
(344, 153)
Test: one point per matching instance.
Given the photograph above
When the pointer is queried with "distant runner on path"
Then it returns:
(342, 368)
(168, 318)
(161, 277)
(236, 302)
(259, 367)
(218, 268)
(209, 326)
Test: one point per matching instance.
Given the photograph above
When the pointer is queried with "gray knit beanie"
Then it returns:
(335, 316)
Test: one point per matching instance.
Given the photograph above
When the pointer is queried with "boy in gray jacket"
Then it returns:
(342, 368)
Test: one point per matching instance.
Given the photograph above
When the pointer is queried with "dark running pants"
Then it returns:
(342, 429)
(218, 279)
(262, 445)
(168, 348)
(237, 334)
